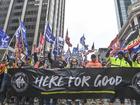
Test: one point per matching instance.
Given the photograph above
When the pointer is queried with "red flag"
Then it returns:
(67, 40)
(115, 43)
(41, 39)
(133, 44)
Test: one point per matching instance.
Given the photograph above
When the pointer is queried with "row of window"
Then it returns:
(31, 12)
(30, 19)
(4, 7)
(19, 1)
(17, 13)
(18, 7)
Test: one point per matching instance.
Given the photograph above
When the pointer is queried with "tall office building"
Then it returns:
(121, 11)
(34, 14)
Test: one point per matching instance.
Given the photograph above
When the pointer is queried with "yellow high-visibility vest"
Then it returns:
(116, 62)
(135, 64)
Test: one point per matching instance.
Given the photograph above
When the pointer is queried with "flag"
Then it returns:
(86, 47)
(60, 42)
(41, 43)
(67, 40)
(48, 34)
(75, 50)
(115, 44)
(67, 56)
(23, 33)
(4, 42)
(82, 40)
(78, 47)
(93, 47)
(2, 33)
(56, 49)
(136, 48)
(132, 44)
(4, 39)
(41, 39)
(21, 39)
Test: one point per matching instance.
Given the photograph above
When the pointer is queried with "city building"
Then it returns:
(131, 29)
(34, 14)
(121, 7)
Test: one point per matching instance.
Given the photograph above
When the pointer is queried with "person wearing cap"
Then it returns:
(136, 60)
(94, 63)
(119, 61)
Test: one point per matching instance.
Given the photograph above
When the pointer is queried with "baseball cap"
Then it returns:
(120, 52)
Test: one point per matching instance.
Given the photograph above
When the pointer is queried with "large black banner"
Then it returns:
(76, 83)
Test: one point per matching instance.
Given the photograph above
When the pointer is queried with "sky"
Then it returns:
(96, 19)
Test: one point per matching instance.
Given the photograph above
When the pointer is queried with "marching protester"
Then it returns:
(74, 63)
(121, 60)
(56, 63)
(94, 63)
(59, 61)
(136, 60)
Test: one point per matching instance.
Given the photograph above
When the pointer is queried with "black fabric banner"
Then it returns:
(76, 83)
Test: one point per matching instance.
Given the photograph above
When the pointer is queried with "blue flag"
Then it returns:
(2, 33)
(56, 49)
(75, 50)
(136, 48)
(60, 42)
(48, 34)
(21, 34)
(23, 31)
(82, 40)
(86, 47)
(4, 39)
(67, 56)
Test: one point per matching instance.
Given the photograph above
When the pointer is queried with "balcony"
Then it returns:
(134, 8)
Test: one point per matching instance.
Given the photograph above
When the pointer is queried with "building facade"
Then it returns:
(34, 14)
(121, 11)
(131, 29)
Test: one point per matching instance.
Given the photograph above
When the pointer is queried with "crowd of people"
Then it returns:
(119, 59)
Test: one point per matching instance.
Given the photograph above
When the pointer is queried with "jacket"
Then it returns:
(92, 64)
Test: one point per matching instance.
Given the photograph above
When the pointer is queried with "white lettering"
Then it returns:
(84, 80)
(112, 81)
(104, 81)
(96, 82)
(39, 81)
(70, 81)
(118, 80)
(77, 81)
(45, 81)
(53, 81)
(60, 82)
